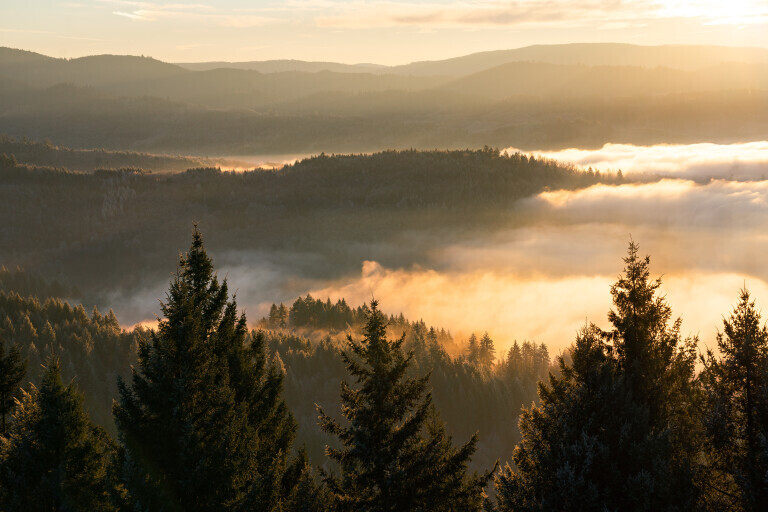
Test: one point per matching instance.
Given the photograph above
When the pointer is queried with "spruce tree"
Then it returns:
(736, 418)
(309, 494)
(473, 349)
(13, 368)
(487, 352)
(395, 454)
(616, 430)
(203, 422)
(576, 442)
(54, 458)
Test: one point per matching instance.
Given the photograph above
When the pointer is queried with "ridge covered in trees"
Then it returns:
(99, 232)
(210, 416)
(535, 98)
(46, 154)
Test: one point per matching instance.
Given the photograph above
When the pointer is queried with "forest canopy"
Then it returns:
(230, 412)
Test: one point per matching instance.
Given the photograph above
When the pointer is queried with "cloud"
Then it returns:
(190, 13)
(549, 269)
(477, 14)
(701, 162)
(137, 15)
(549, 310)
(605, 14)
(717, 12)
(720, 204)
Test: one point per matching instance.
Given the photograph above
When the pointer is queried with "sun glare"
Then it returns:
(716, 12)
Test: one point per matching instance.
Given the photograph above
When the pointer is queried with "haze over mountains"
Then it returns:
(539, 97)
(602, 54)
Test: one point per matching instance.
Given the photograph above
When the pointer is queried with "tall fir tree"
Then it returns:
(13, 368)
(616, 431)
(473, 349)
(577, 441)
(736, 417)
(395, 454)
(487, 352)
(54, 458)
(203, 421)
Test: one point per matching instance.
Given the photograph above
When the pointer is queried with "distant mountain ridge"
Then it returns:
(283, 65)
(685, 57)
(95, 70)
(589, 95)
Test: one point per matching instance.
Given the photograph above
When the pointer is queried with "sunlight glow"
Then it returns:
(703, 161)
(716, 12)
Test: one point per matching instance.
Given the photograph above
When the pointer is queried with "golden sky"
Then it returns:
(377, 31)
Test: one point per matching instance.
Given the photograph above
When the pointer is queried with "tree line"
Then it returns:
(625, 422)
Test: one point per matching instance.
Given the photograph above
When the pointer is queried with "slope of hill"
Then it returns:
(591, 54)
(559, 81)
(134, 103)
(234, 88)
(280, 66)
(96, 71)
(45, 154)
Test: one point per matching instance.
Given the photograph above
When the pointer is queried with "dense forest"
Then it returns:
(331, 407)
(99, 232)
(533, 98)
(46, 154)
(113, 400)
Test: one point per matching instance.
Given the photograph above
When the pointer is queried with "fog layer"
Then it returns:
(544, 280)
(700, 211)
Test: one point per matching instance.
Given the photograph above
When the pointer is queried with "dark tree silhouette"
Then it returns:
(54, 458)
(13, 368)
(203, 422)
(616, 431)
(736, 417)
(395, 454)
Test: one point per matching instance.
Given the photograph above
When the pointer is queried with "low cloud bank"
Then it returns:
(550, 270)
(701, 162)
(518, 307)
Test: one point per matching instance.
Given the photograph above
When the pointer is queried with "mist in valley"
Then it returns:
(490, 204)
(698, 210)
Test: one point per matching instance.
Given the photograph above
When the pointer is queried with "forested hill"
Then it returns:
(533, 98)
(475, 388)
(46, 154)
(116, 229)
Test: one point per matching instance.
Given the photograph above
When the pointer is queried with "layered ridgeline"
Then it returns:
(110, 232)
(46, 154)
(533, 98)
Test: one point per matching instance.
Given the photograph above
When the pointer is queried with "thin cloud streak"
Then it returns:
(191, 13)
(526, 13)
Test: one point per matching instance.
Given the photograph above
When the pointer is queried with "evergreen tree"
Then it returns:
(395, 454)
(473, 349)
(309, 494)
(576, 442)
(616, 430)
(12, 370)
(487, 352)
(514, 362)
(273, 321)
(54, 458)
(736, 418)
(203, 422)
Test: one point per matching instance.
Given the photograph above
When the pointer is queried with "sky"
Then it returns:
(370, 31)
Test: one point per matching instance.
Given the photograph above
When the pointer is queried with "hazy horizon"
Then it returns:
(351, 31)
(371, 65)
